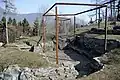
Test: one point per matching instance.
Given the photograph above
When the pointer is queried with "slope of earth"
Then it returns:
(111, 71)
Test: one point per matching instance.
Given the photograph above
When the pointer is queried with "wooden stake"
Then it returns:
(57, 29)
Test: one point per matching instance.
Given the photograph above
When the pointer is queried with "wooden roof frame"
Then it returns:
(75, 4)
(57, 20)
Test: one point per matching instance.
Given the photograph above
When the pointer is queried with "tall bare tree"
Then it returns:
(42, 10)
(9, 7)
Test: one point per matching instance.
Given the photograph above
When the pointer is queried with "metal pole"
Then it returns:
(57, 29)
(105, 43)
(74, 25)
(99, 20)
(43, 25)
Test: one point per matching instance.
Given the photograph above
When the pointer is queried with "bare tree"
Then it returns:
(9, 7)
(42, 10)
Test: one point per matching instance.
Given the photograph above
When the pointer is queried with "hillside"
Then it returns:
(30, 17)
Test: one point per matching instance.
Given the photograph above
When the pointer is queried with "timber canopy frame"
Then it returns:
(98, 6)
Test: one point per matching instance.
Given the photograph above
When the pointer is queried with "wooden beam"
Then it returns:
(44, 35)
(83, 4)
(49, 10)
(109, 2)
(62, 15)
(57, 29)
(96, 14)
(88, 10)
(74, 24)
(102, 5)
(66, 20)
(105, 43)
(99, 19)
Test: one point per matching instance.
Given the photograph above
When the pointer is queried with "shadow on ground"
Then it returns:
(84, 49)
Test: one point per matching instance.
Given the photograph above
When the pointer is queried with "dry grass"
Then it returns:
(11, 56)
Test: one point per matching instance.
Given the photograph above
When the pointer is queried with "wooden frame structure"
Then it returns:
(62, 20)
(74, 15)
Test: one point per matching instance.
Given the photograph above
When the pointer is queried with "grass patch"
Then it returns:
(11, 56)
(115, 37)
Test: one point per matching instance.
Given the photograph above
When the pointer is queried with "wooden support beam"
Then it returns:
(109, 2)
(89, 10)
(74, 25)
(49, 10)
(80, 4)
(105, 42)
(96, 14)
(44, 33)
(111, 6)
(66, 20)
(61, 15)
(57, 29)
(99, 19)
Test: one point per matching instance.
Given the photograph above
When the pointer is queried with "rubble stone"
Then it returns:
(14, 72)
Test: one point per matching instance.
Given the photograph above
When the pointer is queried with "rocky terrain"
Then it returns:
(86, 50)
(78, 56)
(65, 72)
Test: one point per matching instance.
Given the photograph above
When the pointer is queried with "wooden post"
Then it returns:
(118, 6)
(105, 43)
(96, 12)
(114, 12)
(74, 25)
(57, 29)
(99, 20)
(70, 26)
(111, 8)
(43, 26)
